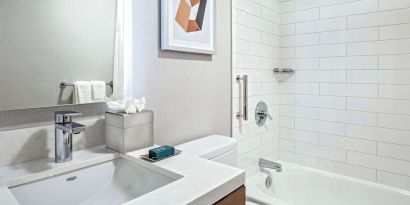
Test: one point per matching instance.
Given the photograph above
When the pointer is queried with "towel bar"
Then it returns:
(65, 84)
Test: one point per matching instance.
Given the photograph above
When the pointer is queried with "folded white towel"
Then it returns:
(122, 106)
(139, 104)
(129, 106)
(116, 106)
(98, 92)
(82, 92)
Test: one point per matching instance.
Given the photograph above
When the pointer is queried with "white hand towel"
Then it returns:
(130, 107)
(116, 106)
(82, 92)
(140, 104)
(98, 92)
(122, 106)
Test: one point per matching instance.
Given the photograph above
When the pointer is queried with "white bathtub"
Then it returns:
(298, 185)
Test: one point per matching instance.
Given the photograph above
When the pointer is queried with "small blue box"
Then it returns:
(161, 152)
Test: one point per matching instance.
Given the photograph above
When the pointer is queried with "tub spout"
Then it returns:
(263, 163)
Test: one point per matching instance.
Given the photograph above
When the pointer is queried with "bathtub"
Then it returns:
(298, 185)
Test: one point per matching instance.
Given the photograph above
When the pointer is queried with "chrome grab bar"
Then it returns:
(244, 113)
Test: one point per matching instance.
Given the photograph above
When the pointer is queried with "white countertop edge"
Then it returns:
(220, 192)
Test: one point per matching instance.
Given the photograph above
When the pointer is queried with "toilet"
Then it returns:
(217, 148)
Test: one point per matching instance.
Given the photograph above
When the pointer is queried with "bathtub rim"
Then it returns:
(289, 165)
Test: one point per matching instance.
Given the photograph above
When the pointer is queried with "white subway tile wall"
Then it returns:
(347, 108)
(256, 53)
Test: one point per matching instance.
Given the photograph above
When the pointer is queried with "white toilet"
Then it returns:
(217, 148)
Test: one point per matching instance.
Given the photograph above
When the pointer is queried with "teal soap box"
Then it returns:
(161, 152)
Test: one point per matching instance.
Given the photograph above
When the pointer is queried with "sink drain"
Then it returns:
(70, 179)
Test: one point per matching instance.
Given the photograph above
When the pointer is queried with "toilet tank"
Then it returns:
(217, 148)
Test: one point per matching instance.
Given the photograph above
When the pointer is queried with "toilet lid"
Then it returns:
(208, 147)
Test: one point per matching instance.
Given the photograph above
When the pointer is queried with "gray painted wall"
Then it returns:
(44, 42)
(189, 93)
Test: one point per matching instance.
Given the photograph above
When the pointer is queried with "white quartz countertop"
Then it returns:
(203, 182)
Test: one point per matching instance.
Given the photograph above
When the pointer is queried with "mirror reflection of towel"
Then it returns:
(82, 92)
(98, 92)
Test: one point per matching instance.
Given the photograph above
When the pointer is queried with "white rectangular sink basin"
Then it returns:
(110, 183)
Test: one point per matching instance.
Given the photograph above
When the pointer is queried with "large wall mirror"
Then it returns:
(46, 42)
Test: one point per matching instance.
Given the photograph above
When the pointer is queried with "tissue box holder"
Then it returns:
(125, 133)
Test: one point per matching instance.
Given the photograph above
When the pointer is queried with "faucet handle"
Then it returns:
(63, 117)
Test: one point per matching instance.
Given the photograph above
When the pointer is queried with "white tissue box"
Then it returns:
(125, 133)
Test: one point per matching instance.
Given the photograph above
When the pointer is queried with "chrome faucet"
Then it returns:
(263, 163)
(64, 130)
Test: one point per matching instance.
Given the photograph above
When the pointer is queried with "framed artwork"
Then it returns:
(188, 26)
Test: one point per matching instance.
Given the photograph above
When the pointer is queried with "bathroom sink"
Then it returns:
(113, 182)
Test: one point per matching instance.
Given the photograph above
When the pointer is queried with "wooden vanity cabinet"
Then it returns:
(237, 197)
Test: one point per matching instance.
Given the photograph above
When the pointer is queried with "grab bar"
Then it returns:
(244, 113)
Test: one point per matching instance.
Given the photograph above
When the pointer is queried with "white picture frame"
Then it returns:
(177, 36)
